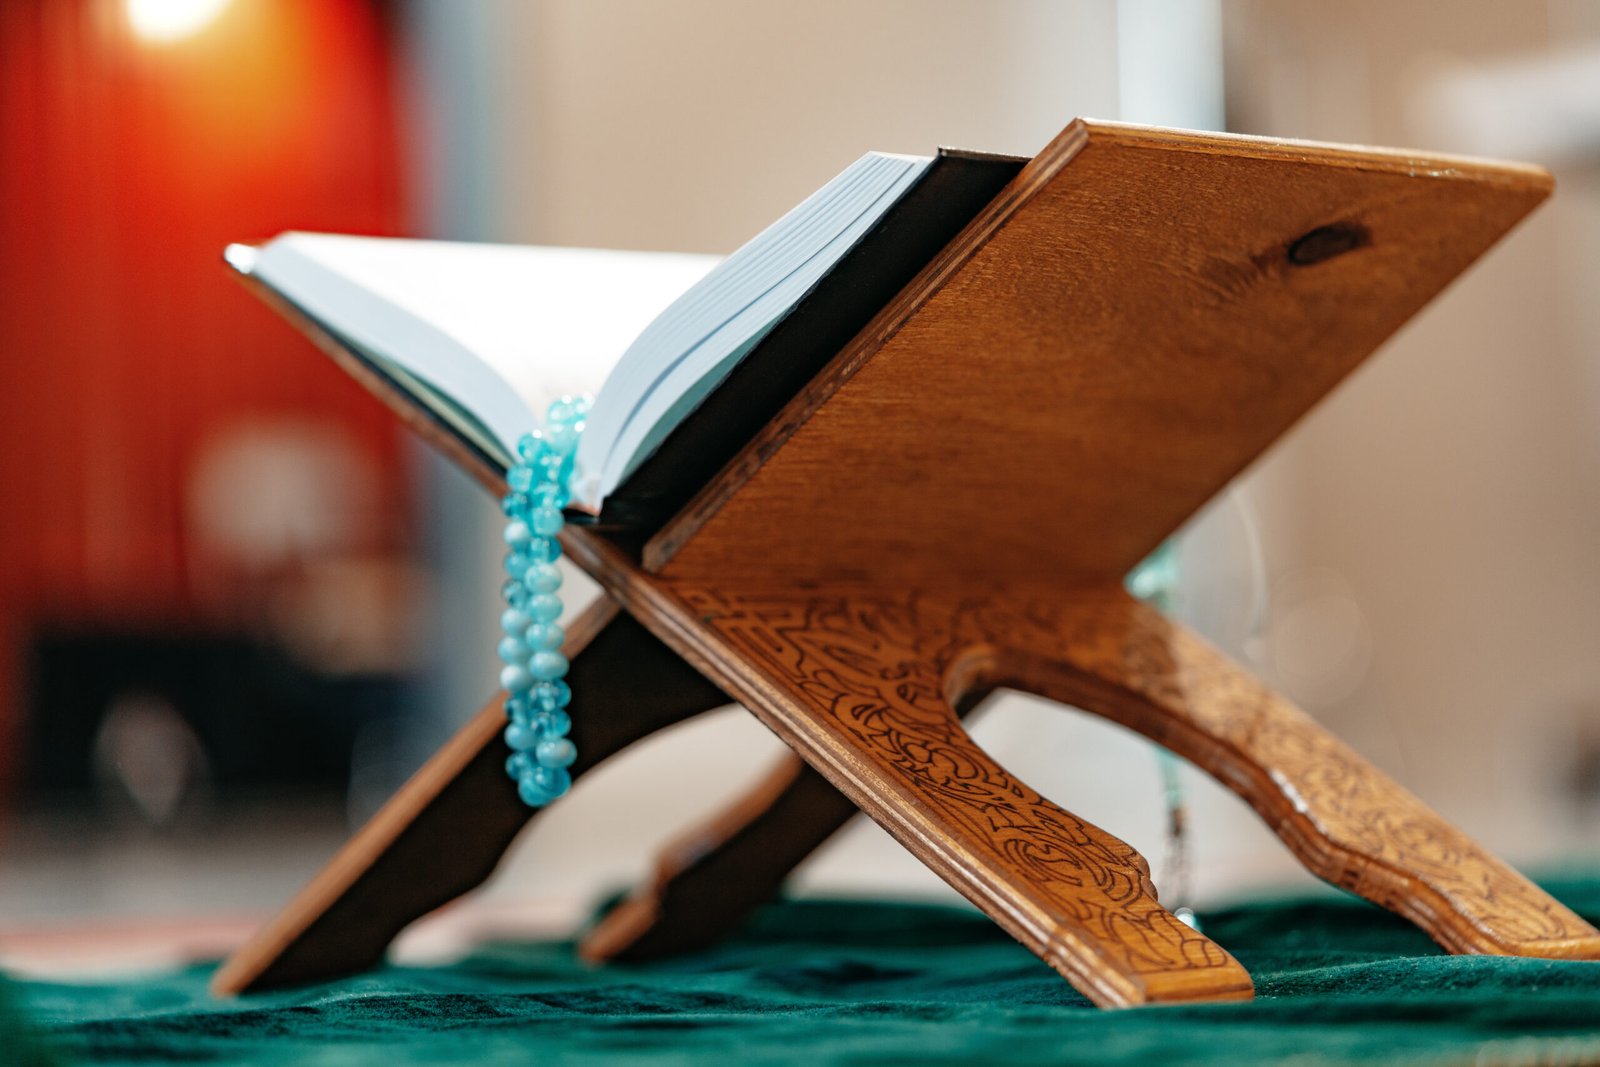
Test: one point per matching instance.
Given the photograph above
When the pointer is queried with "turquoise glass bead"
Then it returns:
(518, 533)
(516, 678)
(544, 637)
(553, 723)
(514, 593)
(547, 522)
(542, 578)
(547, 666)
(553, 780)
(563, 438)
(556, 752)
(532, 793)
(521, 738)
(544, 607)
(549, 696)
(537, 696)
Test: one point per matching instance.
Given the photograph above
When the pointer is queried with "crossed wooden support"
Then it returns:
(870, 688)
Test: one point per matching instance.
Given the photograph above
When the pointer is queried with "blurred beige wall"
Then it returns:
(691, 125)
(1433, 528)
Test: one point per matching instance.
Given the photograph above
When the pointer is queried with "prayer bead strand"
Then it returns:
(535, 669)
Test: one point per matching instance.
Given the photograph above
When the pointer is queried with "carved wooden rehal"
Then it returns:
(949, 507)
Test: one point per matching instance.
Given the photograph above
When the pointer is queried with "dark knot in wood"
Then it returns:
(1325, 242)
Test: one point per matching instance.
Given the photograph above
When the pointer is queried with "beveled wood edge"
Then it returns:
(1527, 177)
(357, 855)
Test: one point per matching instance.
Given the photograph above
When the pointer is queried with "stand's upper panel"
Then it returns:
(1126, 327)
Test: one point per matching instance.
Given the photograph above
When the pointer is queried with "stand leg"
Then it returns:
(708, 881)
(446, 829)
(864, 688)
(1342, 818)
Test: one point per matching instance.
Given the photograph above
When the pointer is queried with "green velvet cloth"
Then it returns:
(869, 983)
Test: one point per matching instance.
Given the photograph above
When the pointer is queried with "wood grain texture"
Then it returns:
(1344, 820)
(1128, 327)
(444, 832)
(861, 680)
(877, 678)
(876, 663)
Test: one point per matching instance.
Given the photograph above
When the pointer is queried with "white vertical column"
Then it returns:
(1169, 63)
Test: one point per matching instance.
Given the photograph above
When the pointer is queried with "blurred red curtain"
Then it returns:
(126, 165)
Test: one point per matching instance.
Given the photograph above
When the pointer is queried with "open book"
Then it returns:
(483, 337)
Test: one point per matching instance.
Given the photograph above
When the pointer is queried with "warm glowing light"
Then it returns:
(164, 21)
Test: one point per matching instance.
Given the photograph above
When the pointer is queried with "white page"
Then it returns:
(689, 349)
(485, 336)
(683, 384)
(472, 319)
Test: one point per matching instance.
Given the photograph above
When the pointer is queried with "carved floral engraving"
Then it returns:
(875, 671)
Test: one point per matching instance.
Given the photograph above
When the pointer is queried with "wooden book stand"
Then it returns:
(950, 507)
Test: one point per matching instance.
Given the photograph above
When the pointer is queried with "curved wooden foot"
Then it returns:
(1346, 821)
(865, 689)
(445, 830)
